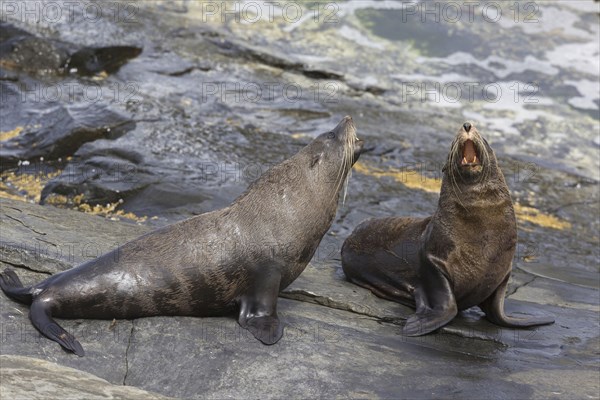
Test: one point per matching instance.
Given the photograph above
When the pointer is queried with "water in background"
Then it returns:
(223, 86)
(527, 72)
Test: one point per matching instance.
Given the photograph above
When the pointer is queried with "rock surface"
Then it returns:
(51, 130)
(32, 379)
(340, 340)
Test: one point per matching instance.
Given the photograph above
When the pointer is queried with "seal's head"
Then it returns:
(471, 158)
(333, 153)
(337, 149)
(340, 143)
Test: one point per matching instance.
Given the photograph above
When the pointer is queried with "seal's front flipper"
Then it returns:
(428, 319)
(41, 319)
(436, 305)
(267, 329)
(258, 309)
(493, 307)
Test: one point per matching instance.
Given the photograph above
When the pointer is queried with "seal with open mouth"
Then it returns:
(239, 257)
(458, 258)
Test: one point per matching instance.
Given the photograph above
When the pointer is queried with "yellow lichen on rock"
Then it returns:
(5, 192)
(409, 178)
(414, 180)
(10, 134)
(540, 218)
(26, 187)
(109, 210)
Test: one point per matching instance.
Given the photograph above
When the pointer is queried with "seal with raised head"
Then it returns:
(238, 257)
(458, 258)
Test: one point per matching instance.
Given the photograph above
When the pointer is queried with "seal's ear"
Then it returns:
(316, 159)
(445, 167)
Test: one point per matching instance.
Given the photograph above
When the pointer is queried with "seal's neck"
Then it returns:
(472, 195)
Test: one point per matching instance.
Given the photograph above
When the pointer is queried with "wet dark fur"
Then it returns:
(458, 258)
(239, 256)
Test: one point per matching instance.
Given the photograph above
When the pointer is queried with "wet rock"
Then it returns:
(326, 285)
(235, 48)
(94, 60)
(107, 172)
(103, 174)
(160, 169)
(446, 39)
(170, 64)
(45, 116)
(50, 129)
(31, 378)
(22, 51)
(47, 240)
(335, 331)
(322, 354)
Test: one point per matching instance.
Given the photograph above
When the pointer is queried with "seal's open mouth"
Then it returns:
(469, 154)
(358, 148)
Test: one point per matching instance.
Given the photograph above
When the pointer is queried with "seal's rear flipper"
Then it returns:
(258, 309)
(11, 285)
(41, 319)
(387, 291)
(493, 307)
(436, 305)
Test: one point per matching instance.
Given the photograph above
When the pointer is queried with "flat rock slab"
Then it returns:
(32, 379)
(340, 340)
(49, 240)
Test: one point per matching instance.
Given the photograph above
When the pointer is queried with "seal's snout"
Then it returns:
(346, 124)
(345, 131)
(467, 126)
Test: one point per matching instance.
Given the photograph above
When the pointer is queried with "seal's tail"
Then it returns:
(11, 286)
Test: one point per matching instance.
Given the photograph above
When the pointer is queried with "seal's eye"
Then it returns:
(331, 135)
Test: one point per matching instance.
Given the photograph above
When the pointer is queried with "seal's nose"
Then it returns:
(467, 127)
(346, 124)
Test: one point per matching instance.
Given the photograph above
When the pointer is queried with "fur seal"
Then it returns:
(238, 257)
(458, 258)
